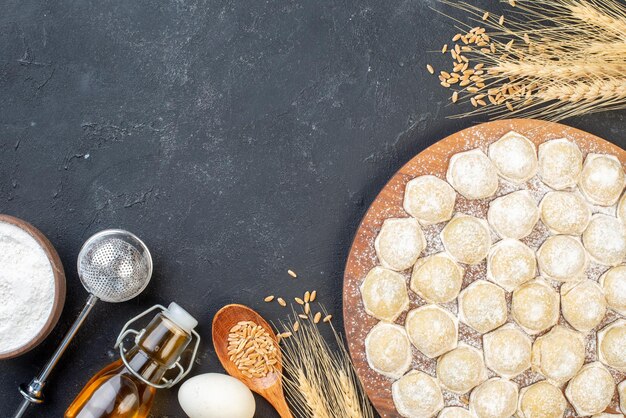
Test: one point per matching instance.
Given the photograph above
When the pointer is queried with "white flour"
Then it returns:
(26, 287)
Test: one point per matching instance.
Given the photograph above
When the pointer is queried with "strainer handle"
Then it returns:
(33, 392)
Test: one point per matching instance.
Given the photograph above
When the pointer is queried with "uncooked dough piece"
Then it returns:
(562, 258)
(602, 179)
(612, 345)
(560, 163)
(513, 215)
(437, 278)
(621, 390)
(429, 199)
(461, 369)
(565, 213)
(482, 306)
(583, 304)
(591, 390)
(605, 240)
(541, 400)
(399, 243)
(388, 350)
(613, 284)
(384, 294)
(472, 174)
(417, 395)
(507, 351)
(535, 306)
(432, 330)
(515, 157)
(511, 263)
(455, 412)
(495, 398)
(467, 239)
(559, 354)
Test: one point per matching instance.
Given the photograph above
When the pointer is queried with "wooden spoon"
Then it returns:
(271, 386)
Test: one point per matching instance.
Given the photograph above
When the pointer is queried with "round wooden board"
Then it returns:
(388, 204)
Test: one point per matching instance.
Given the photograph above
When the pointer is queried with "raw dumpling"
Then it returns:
(602, 179)
(560, 163)
(482, 306)
(591, 390)
(399, 243)
(437, 278)
(432, 330)
(514, 156)
(513, 215)
(507, 351)
(562, 258)
(472, 174)
(511, 263)
(565, 213)
(559, 354)
(461, 369)
(417, 395)
(467, 239)
(541, 400)
(384, 294)
(612, 345)
(455, 412)
(429, 199)
(535, 306)
(583, 304)
(483, 399)
(613, 284)
(388, 350)
(605, 240)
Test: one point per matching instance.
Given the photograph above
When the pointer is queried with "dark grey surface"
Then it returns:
(237, 138)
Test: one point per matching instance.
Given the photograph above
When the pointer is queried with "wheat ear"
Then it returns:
(313, 397)
(552, 59)
(321, 381)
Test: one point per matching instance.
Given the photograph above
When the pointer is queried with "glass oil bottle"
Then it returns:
(126, 387)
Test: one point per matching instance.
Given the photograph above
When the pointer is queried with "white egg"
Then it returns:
(215, 395)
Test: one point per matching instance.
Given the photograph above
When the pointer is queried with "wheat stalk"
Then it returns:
(320, 381)
(314, 400)
(352, 404)
(556, 70)
(552, 59)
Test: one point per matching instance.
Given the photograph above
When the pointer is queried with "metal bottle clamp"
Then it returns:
(167, 383)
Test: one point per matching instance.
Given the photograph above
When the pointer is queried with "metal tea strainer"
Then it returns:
(114, 266)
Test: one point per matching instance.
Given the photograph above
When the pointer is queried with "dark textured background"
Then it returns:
(237, 138)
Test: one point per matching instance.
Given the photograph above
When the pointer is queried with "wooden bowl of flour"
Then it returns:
(57, 296)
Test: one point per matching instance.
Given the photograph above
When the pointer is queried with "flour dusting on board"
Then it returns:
(434, 161)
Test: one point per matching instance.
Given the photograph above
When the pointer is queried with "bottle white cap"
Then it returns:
(181, 317)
